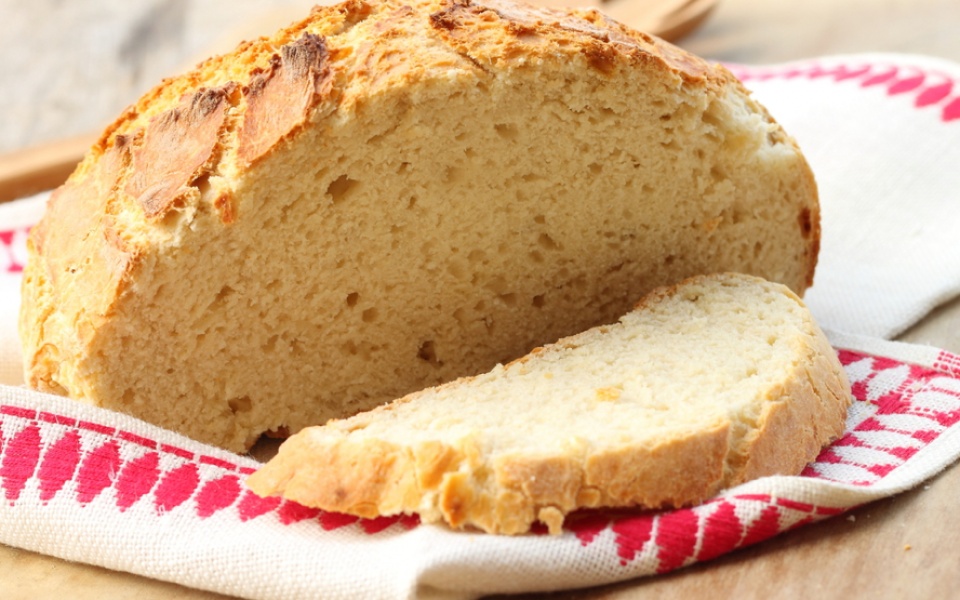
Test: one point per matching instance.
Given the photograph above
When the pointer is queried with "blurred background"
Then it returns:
(70, 67)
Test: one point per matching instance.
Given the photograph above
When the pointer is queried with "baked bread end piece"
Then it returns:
(705, 385)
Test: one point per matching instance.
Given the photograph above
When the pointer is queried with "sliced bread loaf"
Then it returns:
(389, 195)
(705, 385)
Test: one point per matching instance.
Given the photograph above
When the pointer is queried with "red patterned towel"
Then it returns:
(93, 486)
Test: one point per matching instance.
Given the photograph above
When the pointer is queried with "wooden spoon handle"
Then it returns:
(41, 167)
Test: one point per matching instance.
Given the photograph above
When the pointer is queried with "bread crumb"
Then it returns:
(608, 394)
(907, 547)
(852, 518)
(552, 518)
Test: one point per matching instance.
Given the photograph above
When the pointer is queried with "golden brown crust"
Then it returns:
(76, 251)
(175, 149)
(281, 97)
(807, 414)
(491, 30)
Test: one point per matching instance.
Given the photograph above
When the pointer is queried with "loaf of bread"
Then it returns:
(716, 381)
(389, 195)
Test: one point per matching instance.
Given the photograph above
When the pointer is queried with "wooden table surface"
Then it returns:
(69, 67)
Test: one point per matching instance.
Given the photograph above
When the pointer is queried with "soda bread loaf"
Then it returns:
(389, 195)
(716, 381)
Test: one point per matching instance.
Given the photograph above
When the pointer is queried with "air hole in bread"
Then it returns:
(529, 37)
(270, 345)
(538, 300)
(352, 299)
(507, 131)
(173, 215)
(296, 348)
(603, 114)
(428, 353)
(510, 299)
(497, 285)
(339, 190)
(202, 183)
(614, 269)
(712, 119)
(369, 315)
(239, 405)
(128, 396)
(221, 297)
(453, 175)
(546, 242)
(733, 215)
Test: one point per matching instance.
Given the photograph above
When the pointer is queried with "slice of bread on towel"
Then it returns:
(389, 195)
(716, 381)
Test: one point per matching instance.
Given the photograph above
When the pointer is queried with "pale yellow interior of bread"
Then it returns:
(432, 230)
(710, 355)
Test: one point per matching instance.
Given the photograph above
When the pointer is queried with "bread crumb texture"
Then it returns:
(722, 379)
(389, 195)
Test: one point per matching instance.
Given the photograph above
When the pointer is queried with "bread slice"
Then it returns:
(389, 195)
(705, 385)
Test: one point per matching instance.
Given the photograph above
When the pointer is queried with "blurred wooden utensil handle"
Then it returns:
(41, 167)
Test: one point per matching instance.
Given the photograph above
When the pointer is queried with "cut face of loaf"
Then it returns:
(387, 196)
(714, 382)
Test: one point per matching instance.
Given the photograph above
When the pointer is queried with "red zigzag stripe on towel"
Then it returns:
(930, 88)
(681, 537)
(90, 456)
(908, 407)
(899, 408)
(11, 241)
